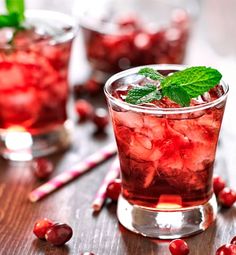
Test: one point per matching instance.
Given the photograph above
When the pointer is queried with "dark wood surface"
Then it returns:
(100, 234)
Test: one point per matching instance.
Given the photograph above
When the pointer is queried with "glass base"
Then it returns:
(22, 146)
(169, 224)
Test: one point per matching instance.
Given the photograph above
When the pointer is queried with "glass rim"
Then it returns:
(67, 35)
(149, 110)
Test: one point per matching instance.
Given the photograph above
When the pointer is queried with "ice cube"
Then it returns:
(141, 148)
(198, 155)
(128, 119)
(141, 173)
(156, 125)
(17, 107)
(11, 76)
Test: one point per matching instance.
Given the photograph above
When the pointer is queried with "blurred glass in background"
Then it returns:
(34, 85)
(126, 33)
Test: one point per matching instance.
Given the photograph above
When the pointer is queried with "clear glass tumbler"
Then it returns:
(167, 158)
(128, 33)
(34, 87)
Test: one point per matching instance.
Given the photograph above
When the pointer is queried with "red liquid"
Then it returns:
(33, 82)
(133, 44)
(167, 160)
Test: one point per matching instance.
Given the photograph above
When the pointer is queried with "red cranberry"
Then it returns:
(84, 109)
(100, 118)
(79, 89)
(42, 168)
(59, 234)
(227, 197)
(178, 247)
(114, 189)
(233, 241)
(227, 249)
(92, 86)
(41, 227)
(218, 184)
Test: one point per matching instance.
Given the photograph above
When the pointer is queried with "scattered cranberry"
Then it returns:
(92, 86)
(178, 247)
(42, 168)
(233, 241)
(218, 184)
(227, 249)
(227, 197)
(41, 227)
(59, 234)
(79, 89)
(114, 189)
(100, 118)
(83, 108)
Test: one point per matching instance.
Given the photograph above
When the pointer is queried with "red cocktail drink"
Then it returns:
(33, 74)
(124, 34)
(166, 152)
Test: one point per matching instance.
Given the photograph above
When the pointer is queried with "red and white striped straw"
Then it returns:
(67, 176)
(111, 175)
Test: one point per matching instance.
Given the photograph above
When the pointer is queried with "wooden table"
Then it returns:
(100, 234)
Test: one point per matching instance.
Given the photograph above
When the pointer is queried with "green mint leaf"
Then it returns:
(180, 86)
(16, 6)
(145, 94)
(177, 94)
(194, 80)
(151, 73)
(11, 20)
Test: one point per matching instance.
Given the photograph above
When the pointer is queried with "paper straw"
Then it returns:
(111, 175)
(67, 176)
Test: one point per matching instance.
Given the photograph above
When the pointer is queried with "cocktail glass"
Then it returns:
(167, 156)
(34, 88)
(127, 33)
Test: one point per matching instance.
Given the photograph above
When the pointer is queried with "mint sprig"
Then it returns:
(15, 16)
(11, 20)
(144, 94)
(151, 73)
(180, 86)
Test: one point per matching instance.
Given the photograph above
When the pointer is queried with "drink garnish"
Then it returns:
(144, 94)
(15, 14)
(180, 86)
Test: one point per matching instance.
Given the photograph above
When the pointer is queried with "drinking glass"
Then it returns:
(127, 33)
(167, 156)
(34, 88)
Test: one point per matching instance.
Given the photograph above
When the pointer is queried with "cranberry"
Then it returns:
(100, 118)
(227, 197)
(233, 241)
(114, 189)
(79, 89)
(227, 249)
(92, 86)
(178, 247)
(84, 109)
(87, 253)
(218, 184)
(42, 168)
(59, 234)
(41, 227)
